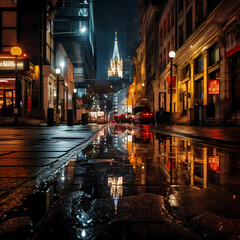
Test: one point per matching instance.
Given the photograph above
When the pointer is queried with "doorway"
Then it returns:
(6, 103)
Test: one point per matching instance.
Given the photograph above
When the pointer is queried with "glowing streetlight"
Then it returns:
(57, 109)
(83, 29)
(143, 84)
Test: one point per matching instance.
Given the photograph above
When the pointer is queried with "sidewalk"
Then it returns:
(218, 135)
(29, 155)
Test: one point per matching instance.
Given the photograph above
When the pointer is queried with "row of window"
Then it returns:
(198, 19)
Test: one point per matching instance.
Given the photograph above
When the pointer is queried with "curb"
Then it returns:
(199, 138)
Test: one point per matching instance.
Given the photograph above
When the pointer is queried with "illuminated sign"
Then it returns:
(9, 64)
(213, 86)
(213, 163)
(173, 83)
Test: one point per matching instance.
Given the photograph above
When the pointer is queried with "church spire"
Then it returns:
(115, 50)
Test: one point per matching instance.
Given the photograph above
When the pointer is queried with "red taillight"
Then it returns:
(147, 114)
(144, 115)
(151, 114)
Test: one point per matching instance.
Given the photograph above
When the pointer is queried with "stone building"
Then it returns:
(205, 36)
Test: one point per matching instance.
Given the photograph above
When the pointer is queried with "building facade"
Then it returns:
(205, 36)
(29, 25)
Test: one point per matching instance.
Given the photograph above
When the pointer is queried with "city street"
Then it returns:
(29, 155)
(129, 183)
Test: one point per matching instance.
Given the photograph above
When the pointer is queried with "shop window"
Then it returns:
(199, 64)
(198, 12)
(199, 94)
(214, 55)
(189, 23)
(162, 100)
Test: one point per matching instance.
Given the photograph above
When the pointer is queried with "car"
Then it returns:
(143, 117)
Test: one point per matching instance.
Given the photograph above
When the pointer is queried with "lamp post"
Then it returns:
(16, 52)
(57, 109)
(74, 105)
(171, 55)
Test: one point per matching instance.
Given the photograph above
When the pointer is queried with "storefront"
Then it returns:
(9, 86)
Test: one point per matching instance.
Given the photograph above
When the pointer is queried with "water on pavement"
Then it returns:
(132, 183)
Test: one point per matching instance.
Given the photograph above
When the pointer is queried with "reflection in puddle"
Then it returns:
(138, 175)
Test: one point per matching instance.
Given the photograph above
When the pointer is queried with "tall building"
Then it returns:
(31, 90)
(205, 36)
(74, 28)
(115, 71)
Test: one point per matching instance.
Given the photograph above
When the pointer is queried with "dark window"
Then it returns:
(164, 29)
(211, 4)
(199, 94)
(164, 58)
(172, 16)
(189, 23)
(160, 37)
(186, 72)
(199, 64)
(214, 55)
(168, 22)
(180, 5)
(172, 43)
(180, 36)
(198, 12)
(168, 50)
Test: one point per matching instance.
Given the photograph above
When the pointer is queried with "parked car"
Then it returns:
(121, 119)
(143, 117)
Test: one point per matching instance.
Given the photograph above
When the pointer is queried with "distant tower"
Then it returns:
(115, 71)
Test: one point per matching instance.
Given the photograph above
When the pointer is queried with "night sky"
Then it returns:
(111, 16)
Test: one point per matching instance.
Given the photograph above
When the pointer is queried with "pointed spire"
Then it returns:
(115, 50)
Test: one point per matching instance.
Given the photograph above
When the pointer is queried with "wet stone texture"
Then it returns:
(131, 183)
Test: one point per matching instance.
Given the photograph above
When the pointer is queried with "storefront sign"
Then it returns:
(213, 86)
(213, 163)
(9, 64)
(173, 81)
(233, 43)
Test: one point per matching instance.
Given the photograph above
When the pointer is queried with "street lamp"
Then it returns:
(16, 52)
(171, 55)
(57, 109)
(74, 104)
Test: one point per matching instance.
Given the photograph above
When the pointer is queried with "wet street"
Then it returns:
(133, 183)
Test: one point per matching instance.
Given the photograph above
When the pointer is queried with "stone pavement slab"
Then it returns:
(29, 154)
